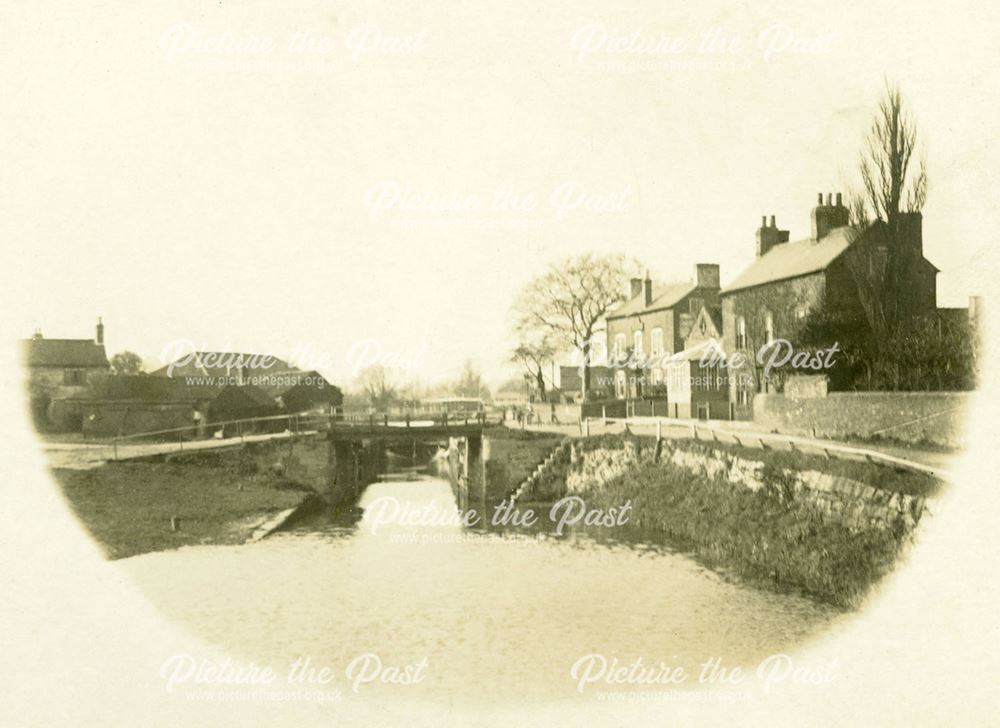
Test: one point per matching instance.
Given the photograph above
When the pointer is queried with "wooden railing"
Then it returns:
(291, 424)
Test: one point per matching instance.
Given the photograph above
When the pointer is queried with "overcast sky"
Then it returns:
(242, 193)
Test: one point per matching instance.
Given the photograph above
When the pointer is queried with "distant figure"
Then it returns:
(552, 413)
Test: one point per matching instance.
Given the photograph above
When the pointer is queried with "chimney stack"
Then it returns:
(829, 216)
(100, 331)
(706, 275)
(768, 236)
(635, 287)
(647, 287)
(37, 336)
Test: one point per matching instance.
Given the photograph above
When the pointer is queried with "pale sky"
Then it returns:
(241, 196)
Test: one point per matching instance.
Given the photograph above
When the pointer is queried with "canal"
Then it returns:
(496, 616)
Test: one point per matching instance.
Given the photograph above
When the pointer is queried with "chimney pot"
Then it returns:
(773, 223)
(840, 199)
(763, 221)
(647, 286)
(829, 199)
(820, 200)
(100, 331)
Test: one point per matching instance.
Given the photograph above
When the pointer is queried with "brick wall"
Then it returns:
(916, 417)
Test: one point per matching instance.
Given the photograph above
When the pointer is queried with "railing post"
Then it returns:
(407, 419)
(115, 443)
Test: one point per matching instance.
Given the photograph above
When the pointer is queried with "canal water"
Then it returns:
(495, 616)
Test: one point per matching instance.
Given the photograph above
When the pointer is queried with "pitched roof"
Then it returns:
(790, 260)
(665, 295)
(277, 383)
(217, 364)
(146, 388)
(63, 353)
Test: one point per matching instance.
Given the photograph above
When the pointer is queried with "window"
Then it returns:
(619, 345)
(768, 327)
(741, 333)
(75, 377)
(656, 342)
(743, 395)
(620, 383)
(637, 341)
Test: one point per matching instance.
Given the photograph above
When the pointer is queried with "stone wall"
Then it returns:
(850, 502)
(934, 418)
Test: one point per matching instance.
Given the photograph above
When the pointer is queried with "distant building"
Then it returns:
(655, 323)
(292, 390)
(139, 403)
(298, 391)
(60, 368)
(218, 367)
(570, 381)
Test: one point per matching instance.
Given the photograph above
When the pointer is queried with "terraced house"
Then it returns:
(656, 322)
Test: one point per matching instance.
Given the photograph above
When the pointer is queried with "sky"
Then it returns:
(377, 183)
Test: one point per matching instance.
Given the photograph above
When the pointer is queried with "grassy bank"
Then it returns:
(762, 537)
(753, 535)
(127, 506)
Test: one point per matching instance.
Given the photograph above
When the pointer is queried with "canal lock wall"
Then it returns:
(850, 502)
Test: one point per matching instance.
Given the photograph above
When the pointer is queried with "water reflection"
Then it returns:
(498, 614)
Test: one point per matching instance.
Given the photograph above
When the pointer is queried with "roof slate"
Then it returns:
(665, 295)
(790, 260)
(63, 353)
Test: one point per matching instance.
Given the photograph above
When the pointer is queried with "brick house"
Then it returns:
(60, 368)
(787, 281)
(655, 322)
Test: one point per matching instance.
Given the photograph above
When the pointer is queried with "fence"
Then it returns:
(227, 432)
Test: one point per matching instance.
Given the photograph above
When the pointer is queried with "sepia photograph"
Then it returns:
(573, 364)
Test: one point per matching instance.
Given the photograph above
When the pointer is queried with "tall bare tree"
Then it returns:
(568, 303)
(892, 184)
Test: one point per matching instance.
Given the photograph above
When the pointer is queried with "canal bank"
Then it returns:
(164, 502)
(785, 521)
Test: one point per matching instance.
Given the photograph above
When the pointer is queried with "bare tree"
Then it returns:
(567, 303)
(378, 386)
(891, 185)
(533, 355)
(470, 383)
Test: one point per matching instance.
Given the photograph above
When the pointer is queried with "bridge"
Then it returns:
(357, 426)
